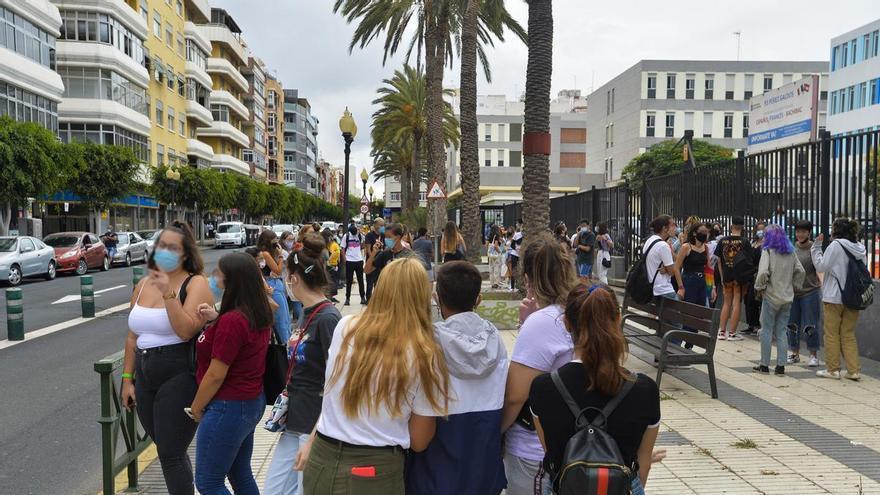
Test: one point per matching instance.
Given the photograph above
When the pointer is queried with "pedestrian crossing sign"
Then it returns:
(436, 192)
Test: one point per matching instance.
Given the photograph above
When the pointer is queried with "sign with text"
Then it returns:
(784, 116)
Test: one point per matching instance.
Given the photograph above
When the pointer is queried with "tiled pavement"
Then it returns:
(796, 434)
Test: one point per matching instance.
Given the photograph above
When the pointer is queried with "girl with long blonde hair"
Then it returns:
(386, 382)
(453, 243)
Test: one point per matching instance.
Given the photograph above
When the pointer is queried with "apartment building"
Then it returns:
(274, 129)
(300, 143)
(30, 89)
(198, 82)
(500, 129)
(656, 100)
(229, 114)
(854, 80)
(255, 101)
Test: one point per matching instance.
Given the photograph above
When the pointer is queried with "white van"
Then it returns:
(230, 234)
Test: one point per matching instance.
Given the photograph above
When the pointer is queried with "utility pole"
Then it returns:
(738, 35)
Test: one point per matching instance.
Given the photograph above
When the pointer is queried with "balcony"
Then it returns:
(220, 97)
(196, 148)
(225, 67)
(199, 113)
(224, 130)
(219, 33)
(198, 73)
(84, 54)
(25, 73)
(200, 9)
(95, 111)
(192, 32)
(231, 164)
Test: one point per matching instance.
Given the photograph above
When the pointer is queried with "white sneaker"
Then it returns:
(834, 375)
(722, 335)
(814, 362)
(735, 337)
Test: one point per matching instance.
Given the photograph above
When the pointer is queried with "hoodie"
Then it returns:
(833, 263)
(465, 455)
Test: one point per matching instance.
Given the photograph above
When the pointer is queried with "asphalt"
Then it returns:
(49, 435)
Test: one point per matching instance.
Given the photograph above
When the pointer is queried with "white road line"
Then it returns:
(109, 289)
(77, 297)
(5, 344)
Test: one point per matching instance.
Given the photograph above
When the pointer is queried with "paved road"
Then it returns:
(49, 436)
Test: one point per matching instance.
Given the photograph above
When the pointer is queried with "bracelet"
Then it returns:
(130, 376)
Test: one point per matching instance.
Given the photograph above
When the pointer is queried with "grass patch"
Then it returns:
(664, 396)
(704, 451)
(745, 443)
(769, 472)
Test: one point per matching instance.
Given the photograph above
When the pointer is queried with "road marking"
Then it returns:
(5, 344)
(76, 297)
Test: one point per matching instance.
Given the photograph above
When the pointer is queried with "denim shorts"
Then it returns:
(585, 269)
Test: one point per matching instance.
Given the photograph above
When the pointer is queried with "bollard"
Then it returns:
(87, 296)
(14, 315)
(137, 273)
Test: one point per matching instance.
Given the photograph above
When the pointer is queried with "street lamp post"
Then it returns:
(174, 176)
(349, 131)
(371, 203)
(364, 178)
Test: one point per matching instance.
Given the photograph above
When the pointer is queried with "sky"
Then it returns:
(306, 45)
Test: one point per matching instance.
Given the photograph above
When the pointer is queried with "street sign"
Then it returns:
(364, 199)
(436, 192)
(365, 208)
(386, 212)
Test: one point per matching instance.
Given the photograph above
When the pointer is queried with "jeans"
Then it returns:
(774, 323)
(111, 252)
(753, 307)
(585, 269)
(281, 479)
(522, 476)
(164, 386)
(281, 321)
(840, 337)
(804, 319)
(224, 446)
(353, 268)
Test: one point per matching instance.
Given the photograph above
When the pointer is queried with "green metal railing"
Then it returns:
(115, 420)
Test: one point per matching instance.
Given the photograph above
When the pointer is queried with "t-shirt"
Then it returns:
(544, 344)
(586, 238)
(811, 279)
(638, 411)
(726, 250)
(424, 248)
(377, 429)
(307, 377)
(659, 255)
(232, 340)
(387, 256)
(369, 240)
(353, 245)
(108, 239)
(515, 243)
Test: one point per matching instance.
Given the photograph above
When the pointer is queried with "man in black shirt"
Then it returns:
(394, 249)
(110, 240)
(726, 251)
(376, 234)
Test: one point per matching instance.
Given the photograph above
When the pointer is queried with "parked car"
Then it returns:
(329, 225)
(284, 227)
(150, 238)
(230, 234)
(22, 257)
(130, 247)
(78, 252)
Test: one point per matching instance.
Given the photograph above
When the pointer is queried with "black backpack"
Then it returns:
(858, 292)
(592, 457)
(744, 269)
(638, 287)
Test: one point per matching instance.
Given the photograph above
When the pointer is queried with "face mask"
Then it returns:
(701, 236)
(759, 234)
(288, 245)
(166, 260)
(381, 230)
(677, 230)
(389, 242)
(215, 288)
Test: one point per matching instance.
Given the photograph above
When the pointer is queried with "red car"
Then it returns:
(78, 252)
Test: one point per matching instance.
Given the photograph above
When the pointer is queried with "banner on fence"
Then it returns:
(784, 116)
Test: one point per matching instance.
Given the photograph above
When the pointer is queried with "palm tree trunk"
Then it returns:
(416, 176)
(405, 191)
(435, 61)
(536, 139)
(469, 154)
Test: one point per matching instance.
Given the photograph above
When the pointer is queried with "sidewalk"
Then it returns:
(796, 434)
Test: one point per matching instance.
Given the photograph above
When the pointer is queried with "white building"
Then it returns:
(854, 80)
(392, 194)
(656, 100)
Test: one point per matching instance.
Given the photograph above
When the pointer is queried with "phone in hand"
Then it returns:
(189, 412)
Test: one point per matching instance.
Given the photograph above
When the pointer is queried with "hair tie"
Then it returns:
(306, 269)
(592, 288)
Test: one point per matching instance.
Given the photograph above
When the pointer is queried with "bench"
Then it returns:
(663, 319)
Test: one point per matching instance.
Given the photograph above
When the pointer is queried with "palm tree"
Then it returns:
(481, 20)
(536, 137)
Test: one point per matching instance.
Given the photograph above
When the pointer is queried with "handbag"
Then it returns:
(606, 262)
(274, 378)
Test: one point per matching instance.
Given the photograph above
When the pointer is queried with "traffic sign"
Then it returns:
(365, 208)
(436, 192)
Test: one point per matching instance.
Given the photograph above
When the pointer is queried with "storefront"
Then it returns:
(64, 212)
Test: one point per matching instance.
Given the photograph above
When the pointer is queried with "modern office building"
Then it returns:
(198, 83)
(255, 101)
(500, 127)
(30, 89)
(226, 134)
(300, 143)
(854, 81)
(392, 193)
(656, 100)
(274, 129)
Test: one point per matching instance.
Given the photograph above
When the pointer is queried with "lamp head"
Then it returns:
(346, 124)
(371, 190)
(364, 175)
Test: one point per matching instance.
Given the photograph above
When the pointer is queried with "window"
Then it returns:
(652, 86)
(181, 50)
(728, 125)
(786, 78)
(611, 134)
(270, 122)
(833, 107)
(851, 99)
(104, 84)
(180, 8)
(487, 132)
(690, 85)
(852, 51)
(749, 86)
(729, 86)
(670, 86)
(171, 78)
(745, 124)
(612, 100)
(670, 124)
(502, 134)
(144, 13)
(160, 155)
(181, 85)
(707, 124)
(487, 163)
(169, 35)
(160, 113)
(170, 119)
(196, 55)
(22, 105)
(501, 162)
(689, 121)
(220, 112)
(101, 28)
(650, 122)
(874, 95)
(182, 124)
(515, 158)
(768, 82)
(710, 86)
(395, 196)
(844, 54)
(608, 103)
(875, 39)
(157, 25)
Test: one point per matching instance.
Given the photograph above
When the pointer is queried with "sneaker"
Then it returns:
(779, 371)
(347, 303)
(814, 362)
(834, 375)
(735, 337)
(761, 369)
(722, 335)
(794, 358)
(852, 376)
(364, 302)
(750, 331)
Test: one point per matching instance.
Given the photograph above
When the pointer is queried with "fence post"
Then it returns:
(87, 296)
(825, 184)
(739, 181)
(594, 207)
(644, 208)
(14, 315)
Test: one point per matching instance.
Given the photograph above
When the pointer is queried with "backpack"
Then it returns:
(592, 458)
(858, 292)
(638, 287)
(744, 268)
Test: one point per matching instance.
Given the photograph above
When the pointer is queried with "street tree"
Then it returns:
(666, 158)
(32, 165)
(102, 174)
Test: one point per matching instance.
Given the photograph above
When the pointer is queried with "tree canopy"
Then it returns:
(666, 158)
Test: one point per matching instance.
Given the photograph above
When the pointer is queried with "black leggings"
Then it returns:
(164, 385)
(352, 268)
(514, 262)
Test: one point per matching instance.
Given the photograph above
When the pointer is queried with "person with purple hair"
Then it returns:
(780, 273)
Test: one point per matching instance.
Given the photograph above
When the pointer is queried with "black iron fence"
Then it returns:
(816, 181)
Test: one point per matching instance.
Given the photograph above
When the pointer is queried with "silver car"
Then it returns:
(150, 237)
(22, 257)
(130, 247)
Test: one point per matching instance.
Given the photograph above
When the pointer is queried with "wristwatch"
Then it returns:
(172, 294)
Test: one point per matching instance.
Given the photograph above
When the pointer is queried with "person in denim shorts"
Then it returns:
(804, 318)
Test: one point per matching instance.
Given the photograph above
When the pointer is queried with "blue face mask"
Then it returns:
(166, 260)
(759, 234)
(389, 242)
(381, 230)
(215, 289)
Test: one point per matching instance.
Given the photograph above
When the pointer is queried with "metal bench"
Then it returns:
(663, 319)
